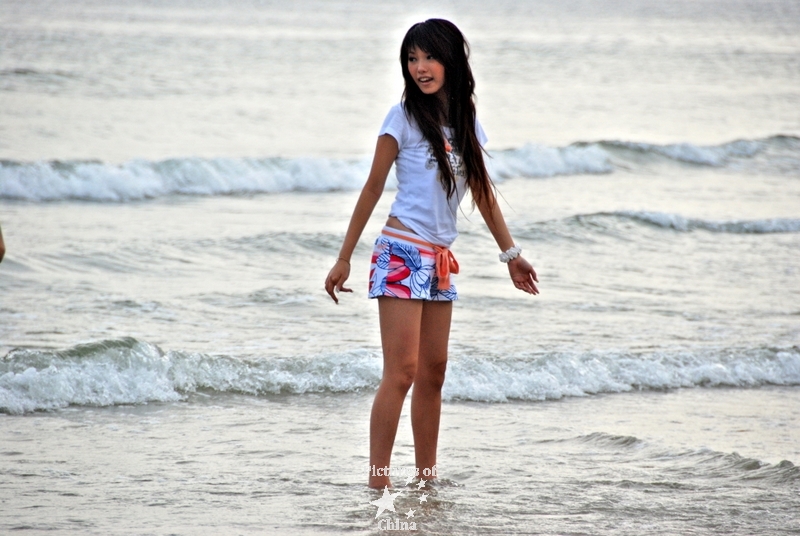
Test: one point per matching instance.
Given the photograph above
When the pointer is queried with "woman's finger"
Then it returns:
(330, 286)
(331, 293)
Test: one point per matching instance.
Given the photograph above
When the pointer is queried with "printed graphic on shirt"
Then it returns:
(453, 157)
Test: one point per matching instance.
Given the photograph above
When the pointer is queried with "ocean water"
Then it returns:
(176, 179)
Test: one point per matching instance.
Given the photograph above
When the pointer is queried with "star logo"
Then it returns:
(422, 499)
(420, 484)
(386, 502)
(410, 479)
(410, 513)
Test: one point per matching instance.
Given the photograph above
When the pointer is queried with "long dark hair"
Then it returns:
(445, 42)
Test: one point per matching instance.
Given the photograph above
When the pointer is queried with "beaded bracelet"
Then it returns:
(510, 254)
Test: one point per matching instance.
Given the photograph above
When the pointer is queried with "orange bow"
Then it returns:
(446, 264)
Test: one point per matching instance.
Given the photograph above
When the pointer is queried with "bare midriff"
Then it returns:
(394, 223)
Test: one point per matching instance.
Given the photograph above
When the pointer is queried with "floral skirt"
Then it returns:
(405, 268)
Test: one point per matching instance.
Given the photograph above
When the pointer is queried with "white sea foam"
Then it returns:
(705, 155)
(542, 161)
(557, 376)
(680, 223)
(132, 372)
(142, 179)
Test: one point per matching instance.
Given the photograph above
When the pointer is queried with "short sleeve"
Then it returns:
(396, 125)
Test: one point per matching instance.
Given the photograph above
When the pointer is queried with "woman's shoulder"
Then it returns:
(398, 124)
(398, 110)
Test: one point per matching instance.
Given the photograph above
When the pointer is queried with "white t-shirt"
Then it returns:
(421, 203)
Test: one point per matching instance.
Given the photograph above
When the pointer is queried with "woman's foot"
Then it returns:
(378, 482)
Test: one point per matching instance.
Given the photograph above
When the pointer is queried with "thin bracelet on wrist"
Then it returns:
(510, 254)
(343, 259)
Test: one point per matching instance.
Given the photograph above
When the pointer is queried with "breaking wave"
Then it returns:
(127, 371)
(143, 179)
(679, 223)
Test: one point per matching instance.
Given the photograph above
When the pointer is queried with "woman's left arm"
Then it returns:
(522, 273)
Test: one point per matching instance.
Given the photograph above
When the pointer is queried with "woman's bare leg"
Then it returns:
(426, 400)
(400, 322)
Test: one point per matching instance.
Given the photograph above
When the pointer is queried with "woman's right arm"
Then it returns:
(385, 155)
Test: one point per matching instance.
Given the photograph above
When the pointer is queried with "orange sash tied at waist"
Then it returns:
(446, 262)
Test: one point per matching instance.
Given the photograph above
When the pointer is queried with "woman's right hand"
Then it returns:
(336, 278)
(523, 275)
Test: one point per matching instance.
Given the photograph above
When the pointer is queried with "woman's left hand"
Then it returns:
(523, 275)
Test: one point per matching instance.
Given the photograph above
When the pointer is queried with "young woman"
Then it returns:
(436, 143)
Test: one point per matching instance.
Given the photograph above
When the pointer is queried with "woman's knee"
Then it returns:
(401, 376)
(433, 374)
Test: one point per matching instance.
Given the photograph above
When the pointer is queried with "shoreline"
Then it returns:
(291, 462)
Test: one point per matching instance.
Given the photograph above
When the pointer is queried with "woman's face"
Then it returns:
(426, 71)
